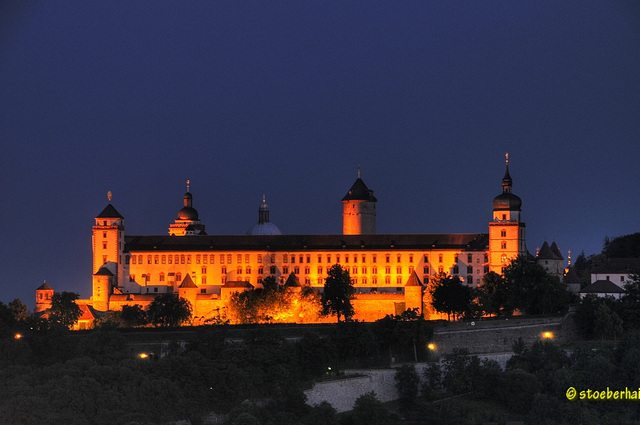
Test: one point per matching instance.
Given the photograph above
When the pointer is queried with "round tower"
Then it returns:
(187, 222)
(359, 210)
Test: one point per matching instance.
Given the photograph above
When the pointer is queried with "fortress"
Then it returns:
(389, 271)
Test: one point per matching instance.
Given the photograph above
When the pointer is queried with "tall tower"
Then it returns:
(359, 210)
(108, 245)
(506, 231)
(187, 222)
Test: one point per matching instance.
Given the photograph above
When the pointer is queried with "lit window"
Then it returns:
(197, 259)
(148, 259)
(204, 280)
(170, 259)
(503, 233)
(239, 259)
(164, 259)
(221, 258)
(246, 258)
(259, 259)
(204, 259)
(228, 258)
(273, 259)
(503, 245)
(212, 259)
(440, 258)
(156, 259)
(203, 270)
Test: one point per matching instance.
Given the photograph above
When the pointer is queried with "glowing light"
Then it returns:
(547, 335)
(431, 346)
(143, 355)
(17, 336)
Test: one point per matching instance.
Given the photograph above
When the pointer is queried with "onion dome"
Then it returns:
(507, 201)
(263, 226)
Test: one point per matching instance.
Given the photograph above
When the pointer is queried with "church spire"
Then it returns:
(507, 182)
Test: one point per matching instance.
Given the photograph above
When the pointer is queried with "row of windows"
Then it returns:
(286, 258)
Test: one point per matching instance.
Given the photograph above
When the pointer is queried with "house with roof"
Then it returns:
(610, 277)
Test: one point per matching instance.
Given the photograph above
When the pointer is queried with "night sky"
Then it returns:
(288, 99)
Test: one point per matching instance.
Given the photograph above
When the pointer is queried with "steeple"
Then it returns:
(507, 182)
(188, 221)
(263, 227)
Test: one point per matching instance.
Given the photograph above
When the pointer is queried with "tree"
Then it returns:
(19, 310)
(133, 315)
(532, 289)
(450, 295)
(407, 383)
(169, 310)
(368, 410)
(338, 293)
(64, 311)
(494, 295)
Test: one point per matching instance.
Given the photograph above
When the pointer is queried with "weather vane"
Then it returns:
(506, 158)
(109, 196)
(188, 183)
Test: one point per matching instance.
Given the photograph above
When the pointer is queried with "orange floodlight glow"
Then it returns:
(431, 346)
(547, 335)
(17, 336)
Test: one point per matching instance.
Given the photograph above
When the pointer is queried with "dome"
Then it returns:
(263, 226)
(188, 212)
(507, 202)
(264, 229)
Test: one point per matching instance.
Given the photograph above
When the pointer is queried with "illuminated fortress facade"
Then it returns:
(389, 271)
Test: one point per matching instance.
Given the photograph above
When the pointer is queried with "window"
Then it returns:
(293, 259)
(132, 278)
(503, 233)
(228, 258)
(203, 270)
(469, 269)
(319, 258)
(411, 269)
(203, 291)
(223, 280)
(126, 259)
(355, 258)
(197, 259)
(455, 258)
(247, 270)
(204, 280)
(301, 259)
(320, 270)
(504, 216)
(456, 270)
(273, 258)
(399, 280)
(148, 259)
(204, 259)
(364, 270)
(239, 259)
(364, 258)
(307, 281)
(338, 259)
(469, 258)
(156, 259)
(387, 269)
(188, 259)
(411, 258)
(272, 269)
(182, 259)
(285, 270)
(364, 280)
(486, 269)
(259, 259)
(387, 258)
(246, 258)
(503, 245)
(425, 270)
(161, 277)
(260, 270)
(374, 280)
(354, 280)
(178, 277)
(296, 270)
(440, 269)
(375, 258)
(387, 279)
(133, 259)
(374, 270)
(104, 245)
(503, 258)
(426, 258)
(329, 258)
(239, 269)
(399, 270)
(354, 270)
(104, 235)
(346, 258)
(306, 270)
(398, 258)
(223, 270)
(486, 258)
(308, 258)
(440, 258)
(164, 259)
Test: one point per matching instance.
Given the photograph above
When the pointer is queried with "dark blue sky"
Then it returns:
(287, 99)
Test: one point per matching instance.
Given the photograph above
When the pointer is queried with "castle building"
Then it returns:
(389, 271)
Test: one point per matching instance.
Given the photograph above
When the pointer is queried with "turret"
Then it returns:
(187, 222)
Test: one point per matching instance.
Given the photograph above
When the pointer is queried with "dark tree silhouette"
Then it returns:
(64, 311)
(169, 310)
(338, 293)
